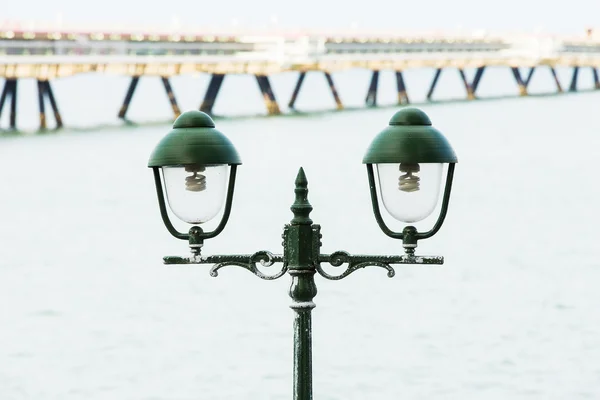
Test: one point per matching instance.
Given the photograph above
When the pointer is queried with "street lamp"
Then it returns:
(410, 155)
(195, 159)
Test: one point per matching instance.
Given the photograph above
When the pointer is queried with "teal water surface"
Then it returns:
(88, 311)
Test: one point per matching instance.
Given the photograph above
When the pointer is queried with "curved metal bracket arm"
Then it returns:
(228, 203)
(163, 208)
(376, 210)
(356, 262)
(249, 262)
(199, 234)
(417, 235)
(444, 211)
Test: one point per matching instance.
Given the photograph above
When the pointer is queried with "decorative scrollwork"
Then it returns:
(264, 258)
(361, 261)
(354, 263)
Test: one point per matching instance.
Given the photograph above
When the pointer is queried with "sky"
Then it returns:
(571, 17)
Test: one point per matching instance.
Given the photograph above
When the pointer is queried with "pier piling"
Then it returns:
(334, 91)
(595, 75)
(478, 74)
(10, 91)
(171, 95)
(472, 87)
(131, 90)
(517, 75)
(263, 91)
(210, 96)
(523, 83)
(269, 97)
(45, 91)
(468, 87)
(401, 87)
(371, 99)
(436, 77)
(529, 75)
(5, 93)
(297, 89)
(573, 86)
(13, 104)
(41, 93)
(50, 94)
(128, 96)
(555, 76)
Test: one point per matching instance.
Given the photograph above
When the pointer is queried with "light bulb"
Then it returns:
(409, 182)
(195, 182)
(196, 193)
(410, 192)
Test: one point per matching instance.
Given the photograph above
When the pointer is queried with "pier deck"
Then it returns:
(48, 54)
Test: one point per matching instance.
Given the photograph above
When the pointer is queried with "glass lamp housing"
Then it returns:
(195, 193)
(410, 191)
(409, 156)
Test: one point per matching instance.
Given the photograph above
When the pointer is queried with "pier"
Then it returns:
(47, 54)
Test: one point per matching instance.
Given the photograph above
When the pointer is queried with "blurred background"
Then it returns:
(571, 17)
(88, 310)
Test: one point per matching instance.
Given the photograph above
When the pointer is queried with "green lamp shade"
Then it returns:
(410, 139)
(194, 140)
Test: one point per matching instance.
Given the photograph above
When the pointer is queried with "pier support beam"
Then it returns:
(5, 93)
(471, 87)
(573, 86)
(555, 76)
(50, 95)
(297, 89)
(216, 80)
(131, 90)
(45, 91)
(334, 92)
(13, 105)
(172, 100)
(41, 93)
(517, 75)
(434, 83)
(477, 78)
(331, 84)
(265, 87)
(523, 83)
(128, 96)
(371, 99)
(596, 81)
(402, 94)
(468, 87)
(10, 91)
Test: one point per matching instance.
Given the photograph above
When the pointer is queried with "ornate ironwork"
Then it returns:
(356, 262)
(301, 259)
(264, 258)
(341, 257)
(248, 262)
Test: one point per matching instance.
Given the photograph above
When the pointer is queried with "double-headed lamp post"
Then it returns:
(199, 163)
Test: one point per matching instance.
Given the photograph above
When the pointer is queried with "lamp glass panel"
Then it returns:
(195, 193)
(410, 192)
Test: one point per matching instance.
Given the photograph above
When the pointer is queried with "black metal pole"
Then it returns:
(299, 239)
